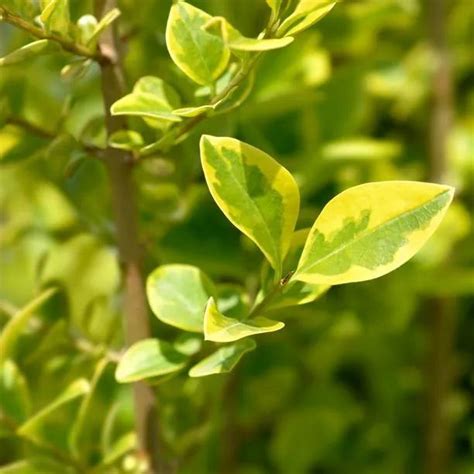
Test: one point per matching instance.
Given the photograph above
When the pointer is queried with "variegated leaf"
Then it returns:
(220, 328)
(370, 230)
(258, 195)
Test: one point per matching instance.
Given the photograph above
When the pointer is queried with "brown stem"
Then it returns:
(39, 33)
(119, 165)
(441, 311)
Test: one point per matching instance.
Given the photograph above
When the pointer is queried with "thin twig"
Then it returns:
(66, 44)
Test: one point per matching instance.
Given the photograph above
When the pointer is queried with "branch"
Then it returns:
(37, 32)
(176, 133)
(135, 311)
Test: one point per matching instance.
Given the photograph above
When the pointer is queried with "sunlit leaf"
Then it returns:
(104, 22)
(86, 26)
(151, 97)
(220, 328)
(201, 55)
(306, 14)
(178, 295)
(370, 230)
(223, 360)
(147, 359)
(254, 191)
(238, 42)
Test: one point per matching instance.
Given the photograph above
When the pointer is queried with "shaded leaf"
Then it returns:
(29, 51)
(223, 360)
(178, 295)
(149, 358)
(126, 140)
(16, 324)
(15, 399)
(30, 429)
(55, 17)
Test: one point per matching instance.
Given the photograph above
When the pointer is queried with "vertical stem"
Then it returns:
(441, 311)
(136, 322)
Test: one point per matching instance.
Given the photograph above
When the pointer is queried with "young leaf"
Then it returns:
(237, 42)
(55, 17)
(30, 429)
(201, 55)
(149, 358)
(178, 295)
(220, 328)
(15, 325)
(254, 191)
(104, 22)
(15, 399)
(126, 443)
(86, 26)
(29, 51)
(76, 434)
(193, 111)
(306, 14)
(126, 140)
(370, 230)
(223, 360)
(151, 97)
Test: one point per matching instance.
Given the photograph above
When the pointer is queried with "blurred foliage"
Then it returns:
(342, 389)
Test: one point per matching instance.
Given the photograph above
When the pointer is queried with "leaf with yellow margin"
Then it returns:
(369, 230)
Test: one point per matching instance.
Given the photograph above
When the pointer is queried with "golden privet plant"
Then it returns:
(363, 233)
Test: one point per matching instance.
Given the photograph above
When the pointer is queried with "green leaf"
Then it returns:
(201, 55)
(294, 292)
(370, 230)
(76, 69)
(254, 191)
(36, 465)
(76, 434)
(178, 295)
(30, 429)
(149, 358)
(55, 17)
(220, 328)
(223, 360)
(104, 22)
(194, 111)
(151, 97)
(237, 42)
(126, 140)
(15, 399)
(306, 14)
(29, 51)
(15, 325)
(126, 443)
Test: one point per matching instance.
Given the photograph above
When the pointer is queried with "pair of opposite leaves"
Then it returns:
(361, 234)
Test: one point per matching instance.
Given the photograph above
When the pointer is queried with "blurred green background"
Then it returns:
(374, 377)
